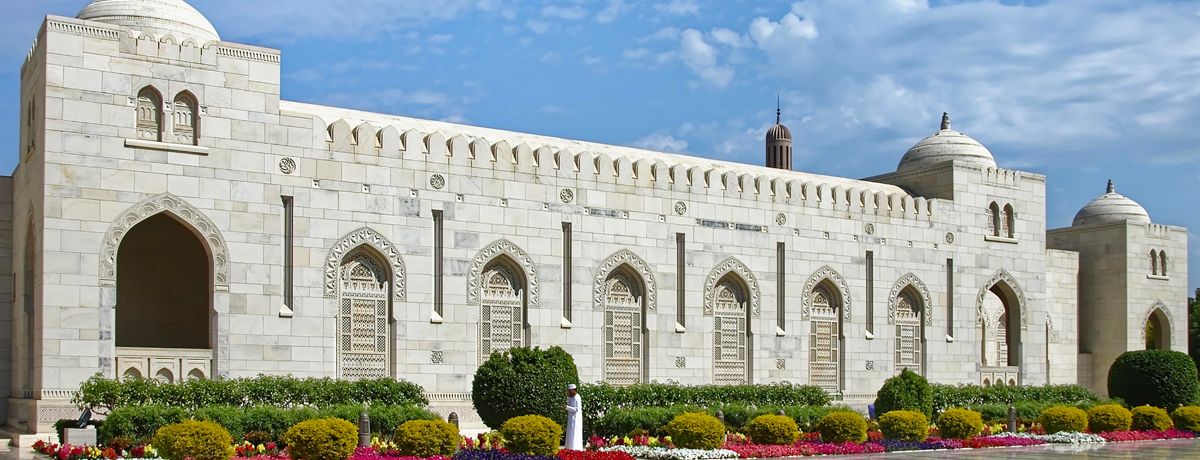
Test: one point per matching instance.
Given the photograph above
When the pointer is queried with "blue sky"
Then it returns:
(1081, 91)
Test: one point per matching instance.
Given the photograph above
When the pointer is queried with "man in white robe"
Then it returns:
(574, 428)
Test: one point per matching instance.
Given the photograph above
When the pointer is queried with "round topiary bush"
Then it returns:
(1063, 418)
(1187, 418)
(321, 439)
(194, 440)
(427, 438)
(906, 391)
(1109, 417)
(772, 430)
(1150, 418)
(904, 425)
(1158, 378)
(957, 423)
(843, 427)
(531, 434)
(523, 381)
(696, 430)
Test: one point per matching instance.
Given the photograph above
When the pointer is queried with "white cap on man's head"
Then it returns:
(571, 386)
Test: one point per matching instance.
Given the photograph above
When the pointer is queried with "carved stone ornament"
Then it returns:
(624, 257)
(910, 279)
(1158, 305)
(780, 364)
(1053, 336)
(822, 274)
(869, 228)
(949, 238)
(287, 165)
(566, 195)
(1001, 276)
(736, 266)
(489, 252)
(182, 211)
(680, 208)
(437, 181)
(365, 236)
(781, 218)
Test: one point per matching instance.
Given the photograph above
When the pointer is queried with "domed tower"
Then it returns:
(158, 17)
(1111, 207)
(779, 144)
(945, 145)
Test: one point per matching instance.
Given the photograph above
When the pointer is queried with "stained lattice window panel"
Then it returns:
(908, 347)
(622, 335)
(363, 323)
(823, 354)
(501, 318)
(729, 346)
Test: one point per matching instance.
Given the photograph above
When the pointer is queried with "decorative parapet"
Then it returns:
(189, 49)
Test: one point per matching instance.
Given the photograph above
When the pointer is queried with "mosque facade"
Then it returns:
(172, 217)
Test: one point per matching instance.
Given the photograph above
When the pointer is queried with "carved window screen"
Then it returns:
(824, 353)
(623, 338)
(730, 355)
(501, 318)
(363, 333)
(149, 114)
(1002, 339)
(185, 118)
(908, 333)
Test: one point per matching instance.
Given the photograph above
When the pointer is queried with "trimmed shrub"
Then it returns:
(772, 430)
(138, 422)
(959, 423)
(906, 391)
(948, 396)
(321, 439)
(1149, 418)
(1187, 418)
(1158, 378)
(193, 440)
(523, 381)
(427, 438)
(1063, 418)
(696, 430)
(229, 417)
(843, 427)
(603, 398)
(904, 425)
(1109, 417)
(618, 422)
(531, 434)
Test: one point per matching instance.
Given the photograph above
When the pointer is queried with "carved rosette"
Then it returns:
(489, 252)
(910, 279)
(736, 266)
(822, 274)
(1001, 276)
(365, 236)
(1158, 305)
(624, 257)
(183, 211)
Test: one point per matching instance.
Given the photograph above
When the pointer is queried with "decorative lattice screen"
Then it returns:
(908, 334)
(1002, 339)
(363, 319)
(501, 319)
(623, 340)
(823, 354)
(729, 336)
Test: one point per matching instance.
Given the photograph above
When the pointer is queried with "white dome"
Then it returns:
(159, 17)
(1111, 207)
(945, 145)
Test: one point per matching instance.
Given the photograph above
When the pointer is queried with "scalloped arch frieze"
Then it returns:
(1159, 306)
(909, 279)
(183, 211)
(1001, 276)
(834, 278)
(731, 265)
(491, 251)
(624, 257)
(365, 236)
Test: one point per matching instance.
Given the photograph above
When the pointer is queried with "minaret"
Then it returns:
(779, 143)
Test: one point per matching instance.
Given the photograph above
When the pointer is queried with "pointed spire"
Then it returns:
(945, 120)
(1111, 188)
(778, 112)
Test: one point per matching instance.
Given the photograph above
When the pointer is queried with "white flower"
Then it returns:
(662, 453)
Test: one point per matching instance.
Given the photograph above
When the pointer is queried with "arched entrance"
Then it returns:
(1157, 331)
(1001, 317)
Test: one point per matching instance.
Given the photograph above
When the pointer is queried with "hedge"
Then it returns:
(1158, 378)
(103, 395)
(975, 396)
(139, 423)
(600, 398)
(652, 420)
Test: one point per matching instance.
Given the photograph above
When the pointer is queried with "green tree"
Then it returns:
(1194, 327)
(524, 381)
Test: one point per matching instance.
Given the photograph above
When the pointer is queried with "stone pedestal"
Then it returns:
(80, 436)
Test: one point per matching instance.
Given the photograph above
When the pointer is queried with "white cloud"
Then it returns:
(440, 38)
(701, 57)
(786, 31)
(570, 13)
(610, 12)
(662, 143)
(679, 8)
(727, 37)
(665, 33)
(364, 19)
(636, 53)
(538, 26)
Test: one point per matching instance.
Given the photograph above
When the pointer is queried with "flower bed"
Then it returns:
(663, 453)
(1149, 435)
(69, 452)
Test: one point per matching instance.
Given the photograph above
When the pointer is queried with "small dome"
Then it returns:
(946, 145)
(1111, 207)
(779, 132)
(159, 17)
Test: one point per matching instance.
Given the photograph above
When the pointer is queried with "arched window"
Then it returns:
(1153, 262)
(1162, 263)
(149, 114)
(731, 332)
(624, 328)
(1010, 222)
(1002, 334)
(994, 219)
(910, 314)
(364, 319)
(1157, 331)
(186, 125)
(824, 341)
(502, 309)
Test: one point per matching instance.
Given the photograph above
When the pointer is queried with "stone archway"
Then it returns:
(1156, 328)
(163, 287)
(1000, 309)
